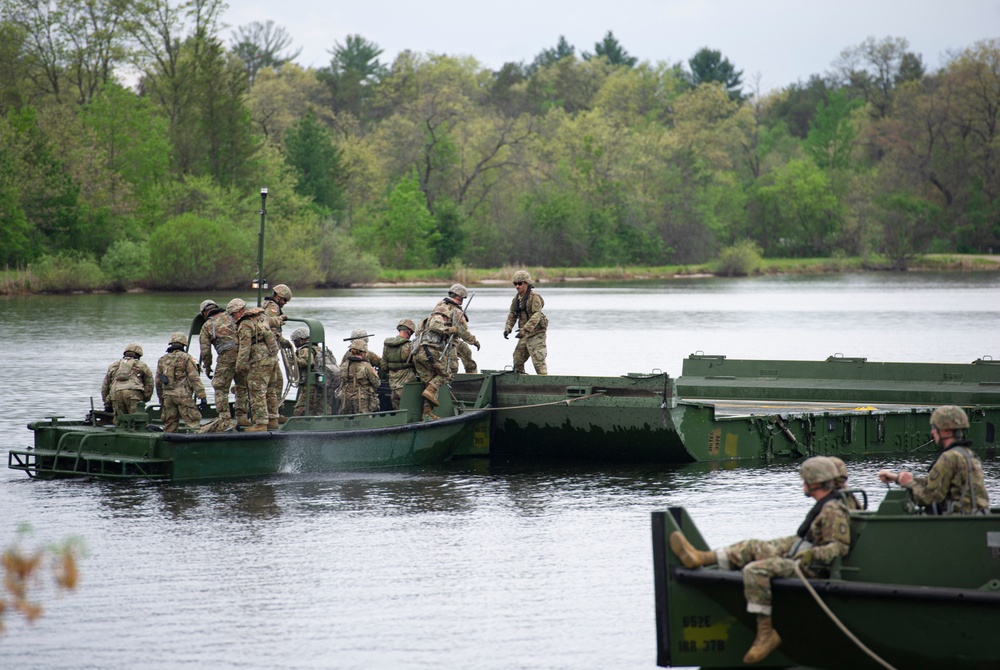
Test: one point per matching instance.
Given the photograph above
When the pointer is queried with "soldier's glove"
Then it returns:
(804, 557)
(506, 334)
(519, 334)
(449, 330)
(203, 405)
(475, 343)
(108, 407)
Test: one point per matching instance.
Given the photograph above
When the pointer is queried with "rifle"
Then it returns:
(359, 337)
(451, 338)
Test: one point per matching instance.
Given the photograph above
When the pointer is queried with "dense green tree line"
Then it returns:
(589, 158)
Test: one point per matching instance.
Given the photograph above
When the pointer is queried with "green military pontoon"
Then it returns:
(138, 449)
(721, 409)
(916, 591)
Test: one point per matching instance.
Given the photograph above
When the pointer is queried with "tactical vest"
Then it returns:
(393, 357)
(223, 332)
(174, 374)
(127, 377)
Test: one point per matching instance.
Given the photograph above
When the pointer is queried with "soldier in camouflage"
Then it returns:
(373, 359)
(219, 332)
(823, 536)
(955, 483)
(397, 359)
(281, 295)
(434, 346)
(526, 312)
(126, 383)
(177, 380)
(358, 381)
(256, 356)
(310, 358)
(464, 352)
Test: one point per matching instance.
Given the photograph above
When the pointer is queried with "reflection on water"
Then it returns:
(471, 564)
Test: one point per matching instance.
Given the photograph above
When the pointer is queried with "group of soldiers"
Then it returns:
(247, 342)
(954, 485)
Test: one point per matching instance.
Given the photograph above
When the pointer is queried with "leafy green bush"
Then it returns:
(345, 263)
(126, 264)
(67, 271)
(739, 260)
(192, 252)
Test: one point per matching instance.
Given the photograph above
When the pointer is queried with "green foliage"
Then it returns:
(404, 233)
(192, 252)
(739, 260)
(126, 264)
(832, 133)
(67, 271)
(709, 67)
(321, 174)
(908, 223)
(611, 50)
(449, 244)
(344, 261)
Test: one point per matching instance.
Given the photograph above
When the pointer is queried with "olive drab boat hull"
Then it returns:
(724, 410)
(138, 449)
(918, 591)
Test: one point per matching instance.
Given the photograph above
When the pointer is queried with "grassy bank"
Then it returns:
(814, 266)
(27, 281)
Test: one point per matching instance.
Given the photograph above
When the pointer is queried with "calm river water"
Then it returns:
(471, 565)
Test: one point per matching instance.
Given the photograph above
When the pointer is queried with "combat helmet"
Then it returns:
(359, 334)
(841, 467)
(408, 324)
(205, 304)
(235, 305)
(949, 417)
(522, 276)
(133, 348)
(360, 344)
(179, 338)
(818, 470)
(459, 290)
(300, 334)
(282, 291)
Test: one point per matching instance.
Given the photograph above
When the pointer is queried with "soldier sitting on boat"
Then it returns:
(358, 381)
(823, 536)
(955, 482)
(126, 383)
(176, 381)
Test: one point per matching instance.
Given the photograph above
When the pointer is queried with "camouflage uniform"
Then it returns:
(176, 381)
(358, 382)
(126, 382)
(276, 383)
(308, 357)
(829, 535)
(219, 331)
(526, 312)
(256, 357)
(954, 484)
(396, 359)
(464, 354)
(429, 349)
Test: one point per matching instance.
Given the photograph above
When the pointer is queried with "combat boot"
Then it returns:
(242, 420)
(690, 557)
(282, 419)
(256, 428)
(767, 641)
(429, 414)
(273, 424)
(430, 397)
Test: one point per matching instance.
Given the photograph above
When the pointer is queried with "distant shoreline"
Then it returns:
(20, 282)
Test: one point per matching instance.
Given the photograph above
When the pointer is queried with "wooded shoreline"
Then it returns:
(18, 282)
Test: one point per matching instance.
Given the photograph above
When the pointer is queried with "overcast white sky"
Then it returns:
(782, 40)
